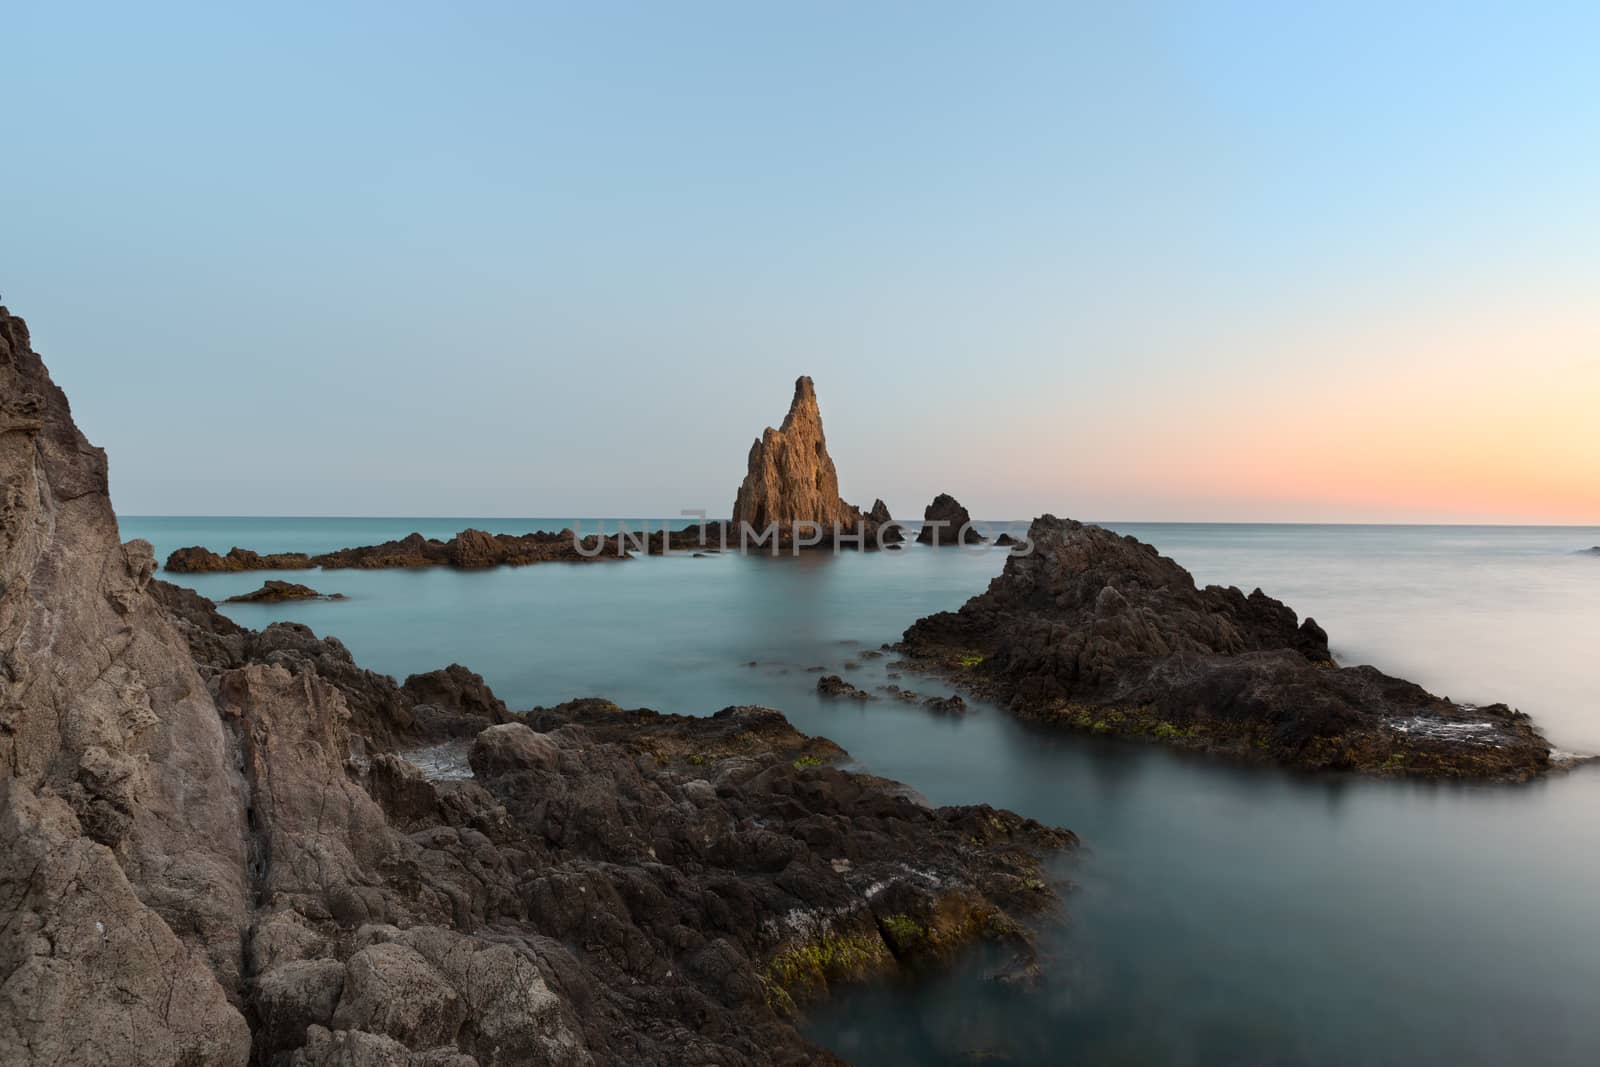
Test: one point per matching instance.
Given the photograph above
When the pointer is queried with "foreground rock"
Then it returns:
(213, 851)
(1100, 632)
(946, 522)
(791, 484)
(276, 592)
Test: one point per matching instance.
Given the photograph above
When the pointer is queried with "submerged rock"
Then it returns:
(1100, 632)
(946, 522)
(212, 851)
(951, 705)
(831, 685)
(276, 592)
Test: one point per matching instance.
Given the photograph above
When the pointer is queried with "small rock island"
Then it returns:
(791, 482)
(273, 591)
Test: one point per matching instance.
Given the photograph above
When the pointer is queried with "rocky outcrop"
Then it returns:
(198, 560)
(946, 522)
(1100, 632)
(468, 550)
(213, 849)
(879, 517)
(273, 591)
(791, 477)
(791, 485)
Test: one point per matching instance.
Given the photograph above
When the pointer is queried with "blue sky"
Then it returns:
(1161, 262)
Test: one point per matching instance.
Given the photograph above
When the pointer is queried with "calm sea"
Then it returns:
(1222, 915)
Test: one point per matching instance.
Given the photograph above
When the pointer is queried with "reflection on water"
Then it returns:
(1223, 915)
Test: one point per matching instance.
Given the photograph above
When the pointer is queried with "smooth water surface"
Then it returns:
(1224, 915)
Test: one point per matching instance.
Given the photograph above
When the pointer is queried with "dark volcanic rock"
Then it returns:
(276, 592)
(212, 850)
(955, 528)
(1101, 632)
(468, 550)
(831, 685)
(198, 560)
(475, 549)
(952, 705)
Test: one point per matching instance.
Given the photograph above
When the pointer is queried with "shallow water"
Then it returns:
(1224, 915)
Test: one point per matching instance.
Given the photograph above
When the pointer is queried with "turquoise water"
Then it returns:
(1223, 915)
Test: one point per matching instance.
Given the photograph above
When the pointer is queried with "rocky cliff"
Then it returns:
(219, 846)
(1100, 632)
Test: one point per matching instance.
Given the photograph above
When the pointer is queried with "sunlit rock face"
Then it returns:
(791, 477)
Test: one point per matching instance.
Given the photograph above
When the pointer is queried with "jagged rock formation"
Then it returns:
(214, 851)
(791, 477)
(791, 482)
(946, 522)
(273, 591)
(1100, 632)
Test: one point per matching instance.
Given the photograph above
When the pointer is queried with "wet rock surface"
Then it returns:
(212, 850)
(1099, 632)
(831, 685)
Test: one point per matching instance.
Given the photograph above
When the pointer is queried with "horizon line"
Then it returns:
(1094, 522)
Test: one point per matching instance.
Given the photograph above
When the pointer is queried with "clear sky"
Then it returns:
(1187, 261)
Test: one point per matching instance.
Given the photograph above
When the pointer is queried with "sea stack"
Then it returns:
(879, 516)
(946, 522)
(791, 477)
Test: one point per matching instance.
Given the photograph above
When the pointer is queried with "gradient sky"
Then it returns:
(1187, 261)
